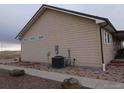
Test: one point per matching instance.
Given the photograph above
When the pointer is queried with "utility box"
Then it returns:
(58, 62)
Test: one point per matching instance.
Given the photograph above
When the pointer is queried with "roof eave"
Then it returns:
(44, 6)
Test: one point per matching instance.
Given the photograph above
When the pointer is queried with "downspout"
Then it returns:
(101, 42)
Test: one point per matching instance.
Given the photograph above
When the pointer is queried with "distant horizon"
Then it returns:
(10, 50)
(4, 46)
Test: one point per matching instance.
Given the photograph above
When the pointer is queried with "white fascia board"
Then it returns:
(99, 21)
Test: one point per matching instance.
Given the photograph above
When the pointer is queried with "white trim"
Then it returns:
(99, 21)
(103, 67)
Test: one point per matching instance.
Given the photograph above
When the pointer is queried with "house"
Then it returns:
(92, 39)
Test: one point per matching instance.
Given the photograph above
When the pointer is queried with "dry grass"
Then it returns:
(9, 54)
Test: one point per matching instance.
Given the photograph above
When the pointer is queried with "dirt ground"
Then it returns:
(26, 82)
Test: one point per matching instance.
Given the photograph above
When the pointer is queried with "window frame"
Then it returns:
(107, 37)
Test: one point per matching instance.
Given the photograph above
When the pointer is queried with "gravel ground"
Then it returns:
(26, 82)
(113, 73)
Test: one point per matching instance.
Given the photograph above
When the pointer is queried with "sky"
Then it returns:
(14, 17)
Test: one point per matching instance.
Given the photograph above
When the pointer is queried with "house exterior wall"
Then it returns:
(68, 31)
(109, 50)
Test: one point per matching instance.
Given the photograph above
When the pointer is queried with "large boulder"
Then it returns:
(17, 72)
(71, 83)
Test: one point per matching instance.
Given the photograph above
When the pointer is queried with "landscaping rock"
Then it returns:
(71, 83)
(97, 77)
(17, 72)
(106, 72)
(73, 80)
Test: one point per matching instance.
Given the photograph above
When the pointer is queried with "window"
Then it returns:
(25, 39)
(40, 37)
(32, 38)
(110, 38)
(107, 38)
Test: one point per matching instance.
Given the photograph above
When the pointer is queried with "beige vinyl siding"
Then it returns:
(109, 50)
(68, 31)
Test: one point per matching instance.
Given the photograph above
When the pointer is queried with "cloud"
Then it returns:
(13, 18)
